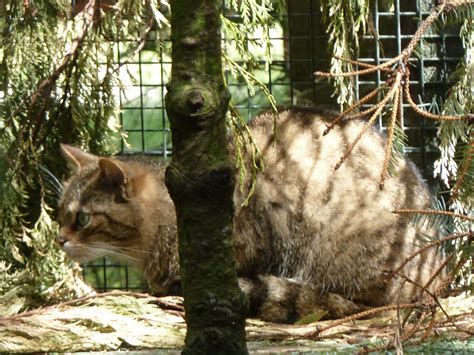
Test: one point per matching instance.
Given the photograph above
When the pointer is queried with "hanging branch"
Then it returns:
(45, 88)
(153, 17)
(393, 90)
(345, 114)
(140, 44)
(426, 114)
(391, 129)
(395, 68)
(463, 174)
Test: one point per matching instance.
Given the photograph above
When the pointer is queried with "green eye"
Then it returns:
(82, 219)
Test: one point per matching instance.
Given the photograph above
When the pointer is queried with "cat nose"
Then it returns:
(60, 239)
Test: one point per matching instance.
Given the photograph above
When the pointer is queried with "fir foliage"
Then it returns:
(455, 166)
(58, 85)
(345, 21)
(249, 31)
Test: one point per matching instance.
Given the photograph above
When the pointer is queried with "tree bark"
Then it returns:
(201, 181)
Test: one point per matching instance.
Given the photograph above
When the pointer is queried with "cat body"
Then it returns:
(311, 237)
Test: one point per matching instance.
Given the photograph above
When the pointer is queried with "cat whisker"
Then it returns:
(99, 249)
(136, 250)
(121, 249)
(51, 180)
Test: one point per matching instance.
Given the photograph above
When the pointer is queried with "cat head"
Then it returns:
(100, 210)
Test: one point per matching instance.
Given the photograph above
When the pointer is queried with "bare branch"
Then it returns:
(430, 245)
(434, 212)
(372, 119)
(344, 115)
(429, 115)
(361, 64)
(391, 129)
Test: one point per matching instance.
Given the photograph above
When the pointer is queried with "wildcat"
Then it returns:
(311, 237)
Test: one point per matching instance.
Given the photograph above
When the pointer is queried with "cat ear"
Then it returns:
(112, 172)
(114, 175)
(77, 157)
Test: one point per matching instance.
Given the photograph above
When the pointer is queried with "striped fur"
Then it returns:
(311, 238)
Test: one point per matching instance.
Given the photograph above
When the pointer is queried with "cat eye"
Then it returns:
(82, 219)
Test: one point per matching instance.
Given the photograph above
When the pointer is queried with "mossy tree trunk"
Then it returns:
(201, 181)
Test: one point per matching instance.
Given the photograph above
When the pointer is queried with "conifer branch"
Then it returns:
(364, 113)
(243, 140)
(372, 119)
(391, 129)
(429, 115)
(434, 243)
(434, 212)
(395, 68)
(362, 72)
(47, 85)
(344, 115)
(359, 63)
(142, 40)
(464, 170)
(370, 312)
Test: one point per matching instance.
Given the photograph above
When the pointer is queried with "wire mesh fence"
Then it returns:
(298, 48)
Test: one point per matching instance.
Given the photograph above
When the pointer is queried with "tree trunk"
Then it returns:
(201, 181)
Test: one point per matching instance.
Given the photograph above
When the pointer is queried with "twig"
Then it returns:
(429, 245)
(425, 25)
(429, 115)
(361, 64)
(434, 212)
(141, 41)
(429, 328)
(439, 289)
(364, 314)
(362, 113)
(404, 338)
(371, 120)
(391, 129)
(361, 72)
(344, 114)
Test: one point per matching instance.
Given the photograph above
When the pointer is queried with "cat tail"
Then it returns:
(283, 300)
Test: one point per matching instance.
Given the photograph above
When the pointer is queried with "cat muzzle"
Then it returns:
(61, 240)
